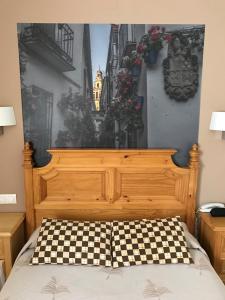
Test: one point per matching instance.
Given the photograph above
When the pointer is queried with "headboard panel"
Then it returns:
(110, 184)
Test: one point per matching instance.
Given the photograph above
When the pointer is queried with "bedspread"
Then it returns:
(161, 282)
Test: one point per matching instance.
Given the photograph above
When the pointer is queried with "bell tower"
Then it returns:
(97, 89)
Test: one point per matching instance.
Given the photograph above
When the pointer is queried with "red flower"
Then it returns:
(138, 106)
(155, 36)
(137, 61)
(153, 28)
(153, 31)
(168, 38)
(140, 48)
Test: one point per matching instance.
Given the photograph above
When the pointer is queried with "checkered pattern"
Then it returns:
(159, 241)
(73, 242)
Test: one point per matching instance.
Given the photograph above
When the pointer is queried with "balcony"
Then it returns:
(126, 43)
(52, 42)
(127, 50)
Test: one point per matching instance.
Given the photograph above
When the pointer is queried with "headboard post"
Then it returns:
(28, 176)
(194, 168)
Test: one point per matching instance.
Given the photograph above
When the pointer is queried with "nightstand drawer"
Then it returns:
(212, 237)
(1, 248)
(223, 246)
(11, 238)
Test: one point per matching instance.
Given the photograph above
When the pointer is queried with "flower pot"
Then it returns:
(151, 57)
(136, 70)
(139, 102)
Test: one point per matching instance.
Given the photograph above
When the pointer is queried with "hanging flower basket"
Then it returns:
(151, 43)
(133, 64)
(151, 57)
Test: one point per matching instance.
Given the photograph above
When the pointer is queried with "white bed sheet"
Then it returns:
(160, 282)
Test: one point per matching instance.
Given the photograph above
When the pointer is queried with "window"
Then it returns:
(38, 128)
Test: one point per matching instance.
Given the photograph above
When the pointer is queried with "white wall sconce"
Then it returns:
(218, 121)
(7, 117)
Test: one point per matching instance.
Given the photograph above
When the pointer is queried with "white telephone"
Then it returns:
(208, 206)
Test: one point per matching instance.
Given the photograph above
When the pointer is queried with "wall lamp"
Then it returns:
(7, 117)
(218, 121)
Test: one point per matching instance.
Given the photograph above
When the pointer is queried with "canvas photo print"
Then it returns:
(110, 86)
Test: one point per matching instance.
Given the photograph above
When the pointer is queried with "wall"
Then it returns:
(172, 123)
(211, 13)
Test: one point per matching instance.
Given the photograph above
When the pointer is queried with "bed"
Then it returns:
(112, 185)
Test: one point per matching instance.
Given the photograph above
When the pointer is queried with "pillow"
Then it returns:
(160, 241)
(73, 242)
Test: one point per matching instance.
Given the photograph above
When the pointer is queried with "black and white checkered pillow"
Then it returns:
(159, 241)
(73, 242)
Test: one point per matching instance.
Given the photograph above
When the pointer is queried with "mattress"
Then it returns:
(162, 282)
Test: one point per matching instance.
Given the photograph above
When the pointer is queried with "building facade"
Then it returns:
(153, 105)
(122, 125)
(56, 77)
(97, 89)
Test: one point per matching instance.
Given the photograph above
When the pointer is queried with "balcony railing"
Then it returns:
(53, 42)
(126, 45)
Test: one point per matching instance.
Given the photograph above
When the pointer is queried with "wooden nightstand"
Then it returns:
(11, 238)
(212, 239)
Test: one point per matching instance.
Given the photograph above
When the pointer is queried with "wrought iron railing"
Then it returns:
(126, 43)
(59, 37)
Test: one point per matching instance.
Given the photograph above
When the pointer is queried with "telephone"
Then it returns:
(208, 206)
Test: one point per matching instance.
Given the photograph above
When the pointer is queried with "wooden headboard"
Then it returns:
(110, 184)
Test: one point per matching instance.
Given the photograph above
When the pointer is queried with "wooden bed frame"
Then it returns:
(110, 184)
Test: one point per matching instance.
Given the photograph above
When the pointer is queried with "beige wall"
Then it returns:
(211, 13)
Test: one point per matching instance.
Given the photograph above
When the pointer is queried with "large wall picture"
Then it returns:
(110, 86)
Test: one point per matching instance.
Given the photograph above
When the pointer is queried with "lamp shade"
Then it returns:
(218, 121)
(7, 117)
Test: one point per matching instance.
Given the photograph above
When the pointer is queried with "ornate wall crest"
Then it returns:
(181, 68)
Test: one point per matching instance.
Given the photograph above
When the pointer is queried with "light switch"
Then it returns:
(7, 198)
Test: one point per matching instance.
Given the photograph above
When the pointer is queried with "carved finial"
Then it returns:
(194, 147)
(194, 156)
(27, 146)
(28, 162)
